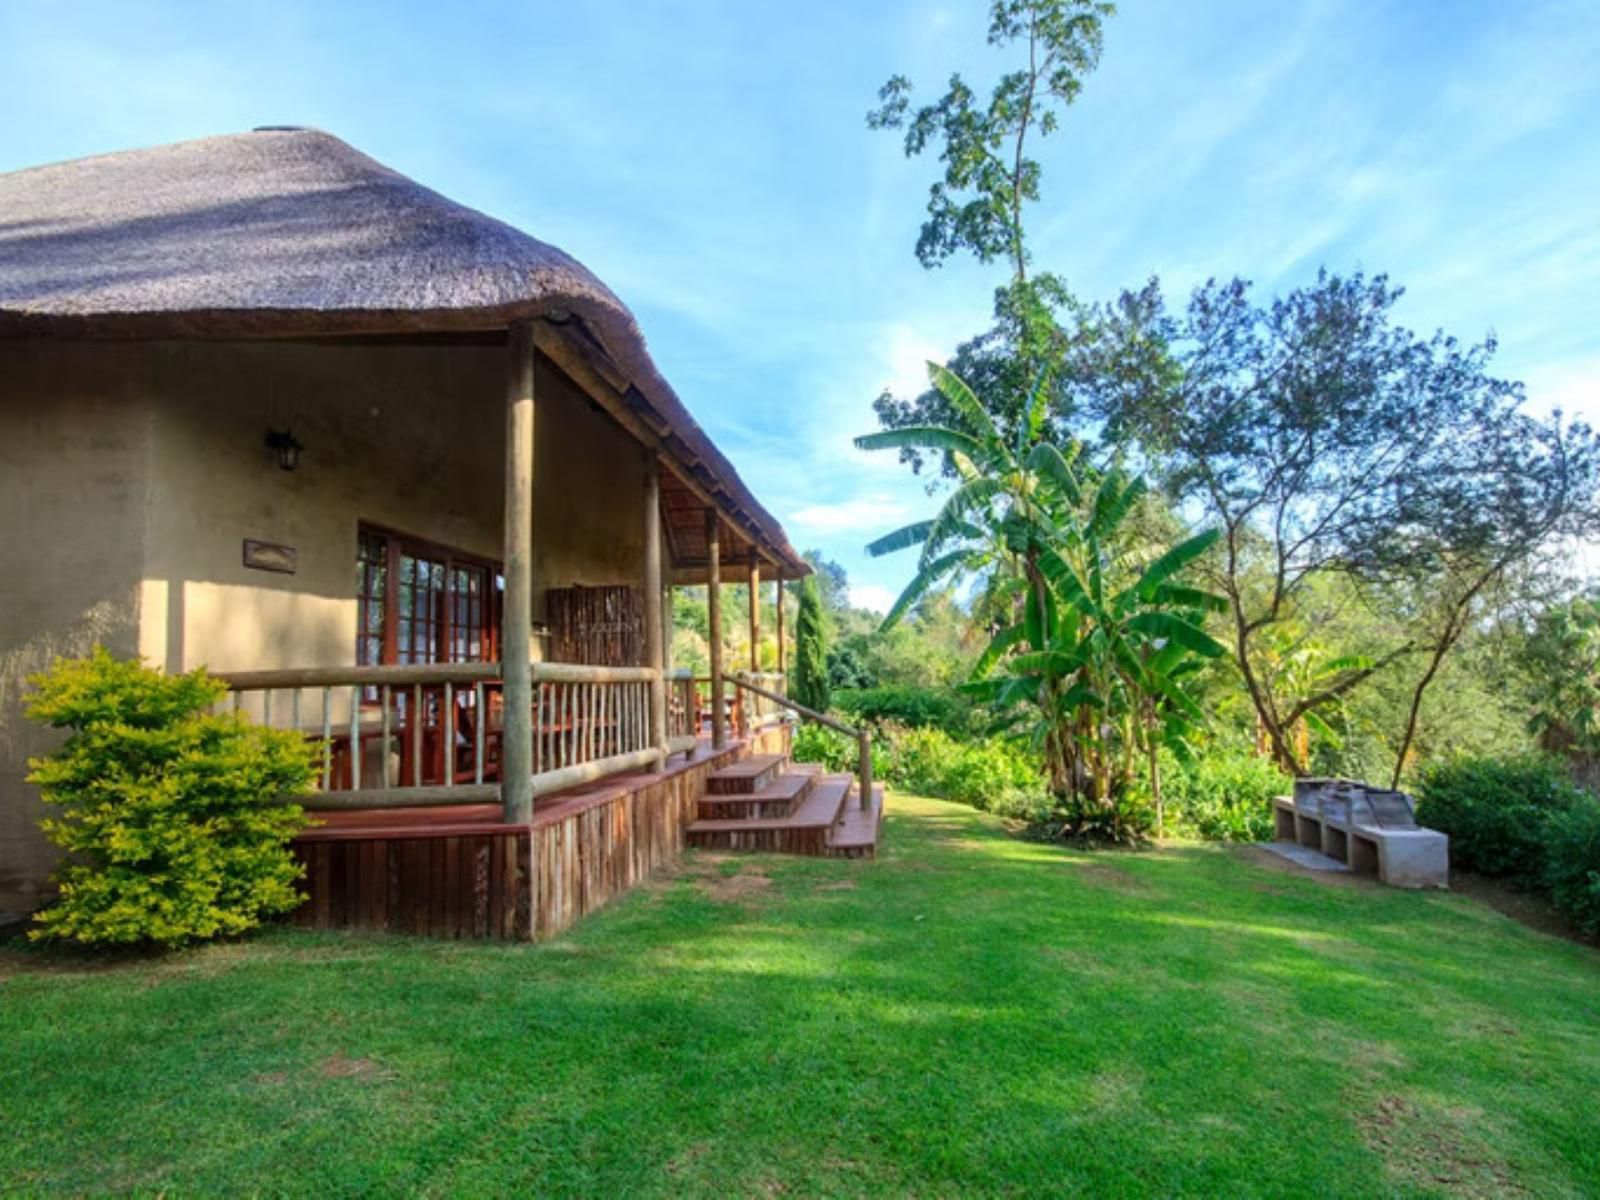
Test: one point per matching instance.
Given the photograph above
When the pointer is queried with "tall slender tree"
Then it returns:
(979, 205)
(808, 682)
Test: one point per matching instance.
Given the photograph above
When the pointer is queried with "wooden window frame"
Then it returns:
(398, 543)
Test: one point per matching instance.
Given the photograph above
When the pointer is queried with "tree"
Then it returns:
(809, 681)
(1561, 660)
(833, 583)
(1327, 440)
(978, 205)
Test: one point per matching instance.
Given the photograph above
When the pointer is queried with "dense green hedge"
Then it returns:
(992, 774)
(1221, 794)
(916, 707)
(1521, 820)
(1224, 795)
(1496, 812)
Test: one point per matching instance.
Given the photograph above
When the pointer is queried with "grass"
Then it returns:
(969, 1015)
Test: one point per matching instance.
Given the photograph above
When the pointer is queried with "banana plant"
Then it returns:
(1089, 648)
(1122, 642)
(1001, 504)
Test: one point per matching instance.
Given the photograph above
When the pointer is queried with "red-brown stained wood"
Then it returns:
(438, 874)
(452, 887)
(324, 890)
(480, 887)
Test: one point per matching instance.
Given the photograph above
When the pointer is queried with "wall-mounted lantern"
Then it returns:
(286, 446)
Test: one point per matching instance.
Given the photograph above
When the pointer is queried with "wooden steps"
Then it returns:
(763, 805)
(745, 776)
(855, 833)
(776, 799)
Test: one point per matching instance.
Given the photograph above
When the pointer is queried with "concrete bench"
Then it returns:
(1372, 830)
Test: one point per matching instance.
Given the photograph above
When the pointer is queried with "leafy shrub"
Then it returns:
(815, 743)
(1572, 864)
(993, 775)
(1222, 795)
(166, 812)
(1125, 816)
(917, 707)
(1496, 812)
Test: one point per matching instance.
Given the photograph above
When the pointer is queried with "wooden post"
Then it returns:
(516, 748)
(755, 613)
(719, 723)
(666, 624)
(782, 657)
(654, 654)
(864, 768)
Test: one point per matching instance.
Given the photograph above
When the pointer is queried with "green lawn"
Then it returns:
(970, 1014)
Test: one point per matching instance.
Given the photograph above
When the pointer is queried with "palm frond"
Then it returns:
(996, 649)
(1176, 559)
(954, 389)
(921, 437)
(1176, 629)
(903, 538)
(1049, 463)
(1177, 596)
(1115, 496)
(1323, 730)
(1033, 412)
(1062, 578)
(952, 516)
(933, 573)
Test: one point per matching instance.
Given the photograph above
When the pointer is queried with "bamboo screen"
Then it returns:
(596, 626)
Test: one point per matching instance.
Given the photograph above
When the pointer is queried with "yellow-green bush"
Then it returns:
(168, 812)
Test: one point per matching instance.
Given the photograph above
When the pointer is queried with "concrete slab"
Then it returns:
(1408, 858)
(1304, 856)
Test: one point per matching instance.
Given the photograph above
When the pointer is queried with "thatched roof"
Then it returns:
(291, 232)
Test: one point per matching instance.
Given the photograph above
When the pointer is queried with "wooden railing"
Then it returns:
(703, 701)
(753, 684)
(683, 712)
(754, 709)
(418, 735)
(743, 713)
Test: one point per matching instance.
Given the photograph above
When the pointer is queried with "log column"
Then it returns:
(719, 715)
(755, 613)
(654, 654)
(667, 625)
(516, 652)
(777, 587)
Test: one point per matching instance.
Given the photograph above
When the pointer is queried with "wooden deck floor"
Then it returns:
(456, 820)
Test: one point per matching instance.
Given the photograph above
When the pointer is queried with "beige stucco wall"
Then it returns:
(74, 444)
(134, 473)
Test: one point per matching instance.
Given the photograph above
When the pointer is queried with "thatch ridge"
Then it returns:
(292, 232)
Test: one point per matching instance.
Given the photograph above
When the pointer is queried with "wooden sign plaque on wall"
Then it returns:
(269, 556)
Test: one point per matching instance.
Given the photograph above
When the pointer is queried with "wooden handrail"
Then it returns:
(863, 739)
(424, 673)
(315, 677)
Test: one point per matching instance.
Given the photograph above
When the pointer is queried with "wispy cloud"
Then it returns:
(873, 597)
(851, 516)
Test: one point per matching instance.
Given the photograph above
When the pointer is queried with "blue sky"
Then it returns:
(711, 162)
